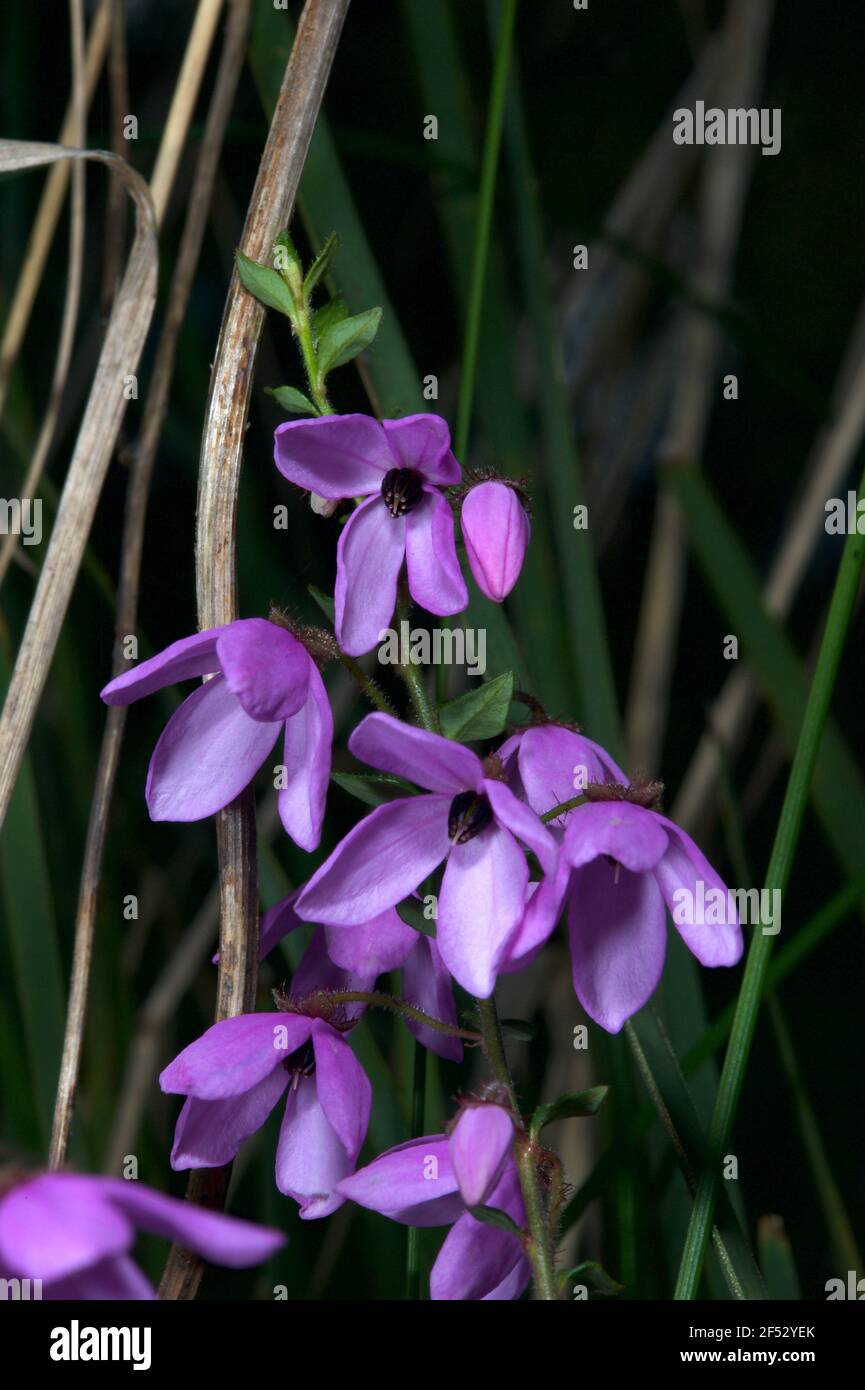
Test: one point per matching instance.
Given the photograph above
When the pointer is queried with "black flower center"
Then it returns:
(301, 1062)
(468, 815)
(402, 489)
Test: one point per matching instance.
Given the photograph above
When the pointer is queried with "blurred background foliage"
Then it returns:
(589, 90)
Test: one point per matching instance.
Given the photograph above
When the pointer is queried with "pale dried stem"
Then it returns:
(219, 477)
(722, 199)
(49, 210)
(153, 416)
(119, 357)
(115, 213)
(72, 297)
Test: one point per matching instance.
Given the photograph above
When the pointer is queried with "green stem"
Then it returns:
(562, 807)
(777, 876)
(378, 1000)
(371, 690)
(418, 1115)
(303, 332)
(486, 200)
(539, 1245)
(425, 712)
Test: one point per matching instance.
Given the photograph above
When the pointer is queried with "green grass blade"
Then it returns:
(29, 912)
(777, 877)
(838, 789)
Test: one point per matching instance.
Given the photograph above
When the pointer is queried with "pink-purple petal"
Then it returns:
(310, 1157)
(265, 668)
(436, 763)
(306, 758)
(413, 1183)
(427, 984)
(480, 1145)
(220, 1238)
(523, 822)
(210, 1132)
(234, 1055)
(620, 830)
(344, 1091)
(435, 579)
(476, 1259)
(481, 901)
(58, 1223)
(496, 531)
(191, 656)
(684, 867)
(208, 752)
(555, 763)
(372, 948)
(335, 456)
(422, 442)
(277, 922)
(380, 862)
(112, 1280)
(618, 935)
(369, 557)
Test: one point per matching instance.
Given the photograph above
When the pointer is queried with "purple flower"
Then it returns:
(627, 862)
(431, 1181)
(496, 531)
(213, 745)
(547, 765)
(75, 1234)
(470, 819)
(236, 1072)
(374, 948)
(397, 466)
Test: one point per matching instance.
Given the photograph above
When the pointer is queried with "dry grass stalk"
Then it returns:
(722, 200)
(121, 350)
(153, 416)
(270, 210)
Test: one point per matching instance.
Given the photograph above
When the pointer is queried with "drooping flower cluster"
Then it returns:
(505, 843)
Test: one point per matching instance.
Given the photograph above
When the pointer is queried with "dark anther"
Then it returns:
(401, 489)
(301, 1062)
(468, 815)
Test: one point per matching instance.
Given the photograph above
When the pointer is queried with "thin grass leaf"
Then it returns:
(777, 877)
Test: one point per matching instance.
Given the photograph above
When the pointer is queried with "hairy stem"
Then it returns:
(539, 1244)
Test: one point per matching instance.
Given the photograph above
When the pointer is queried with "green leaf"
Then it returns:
(324, 601)
(320, 264)
(291, 400)
(518, 1029)
(345, 339)
(578, 1103)
(412, 913)
(810, 734)
(481, 713)
(666, 1085)
(594, 1277)
(838, 789)
(28, 908)
(266, 284)
(324, 318)
(366, 786)
(776, 1259)
(491, 1216)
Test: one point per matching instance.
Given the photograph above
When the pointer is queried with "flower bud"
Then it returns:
(322, 506)
(496, 532)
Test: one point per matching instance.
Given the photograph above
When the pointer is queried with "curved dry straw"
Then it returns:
(219, 478)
